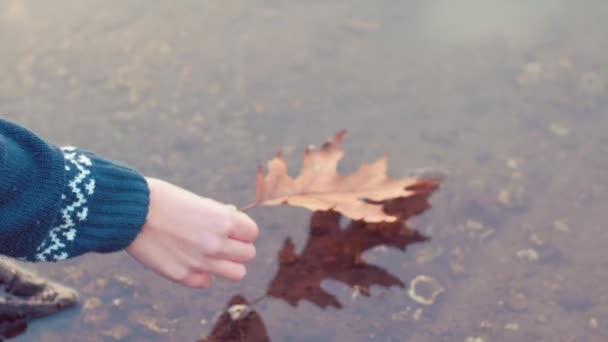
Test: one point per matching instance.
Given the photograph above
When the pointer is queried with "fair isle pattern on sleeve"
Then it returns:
(80, 185)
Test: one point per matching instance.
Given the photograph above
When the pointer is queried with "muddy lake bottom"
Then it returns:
(509, 100)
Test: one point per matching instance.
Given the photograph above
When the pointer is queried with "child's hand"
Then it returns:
(188, 239)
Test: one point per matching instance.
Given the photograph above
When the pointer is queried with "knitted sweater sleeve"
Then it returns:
(57, 203)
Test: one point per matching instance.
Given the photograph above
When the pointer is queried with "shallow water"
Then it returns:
(509, 98)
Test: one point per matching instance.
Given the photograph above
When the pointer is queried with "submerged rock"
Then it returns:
(415, 290)
(28, 296)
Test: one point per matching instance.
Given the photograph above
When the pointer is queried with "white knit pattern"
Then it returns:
(80, 185)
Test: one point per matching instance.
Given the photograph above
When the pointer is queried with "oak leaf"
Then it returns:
(335, 253)
(319, 186)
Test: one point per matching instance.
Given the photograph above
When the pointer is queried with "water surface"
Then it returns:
(508, 97)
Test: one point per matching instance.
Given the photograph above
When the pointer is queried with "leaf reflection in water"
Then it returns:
(331, 253)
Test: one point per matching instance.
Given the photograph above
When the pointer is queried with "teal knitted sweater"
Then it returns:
(57, 203)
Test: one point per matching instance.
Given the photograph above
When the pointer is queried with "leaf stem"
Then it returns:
(249, 206)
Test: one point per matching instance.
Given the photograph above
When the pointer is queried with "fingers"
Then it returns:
(236, 250)
(197, 280)
(226, 269)
(207, 244)
(243, 227)
(190, 239)
(228, 263)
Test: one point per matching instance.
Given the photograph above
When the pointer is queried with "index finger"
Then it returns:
(243, 227)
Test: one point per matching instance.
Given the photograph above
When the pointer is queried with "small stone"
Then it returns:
(512, 326)
(91, 303)
(356, 293)
(530, 255)
(403, 315)
(96, 316)
(593, 323)
(118, 302)
(537, 240)
(559, 130)
(124, 280)
(433, 287)
(561, 226)
(417, 314)
(456, 267)
(483, 236)
(238, 311)
(486, 325)
(474, 339)
(512, 163)
(151, 324)
(533, 68)
(474, 225)
(97, 286)
(512, 197)
(118, 333)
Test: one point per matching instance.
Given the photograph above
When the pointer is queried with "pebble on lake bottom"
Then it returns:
(561, 226)
(436, 290)
(403, 315)
(513, 197)
(512, 326)
(529, 255)
(238, 311)
(118, 333)
(559, 130)
(474, 339)
(593, 323)
(91, 303)
(151, 324)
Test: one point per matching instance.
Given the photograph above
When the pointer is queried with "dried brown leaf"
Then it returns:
(319, 186)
